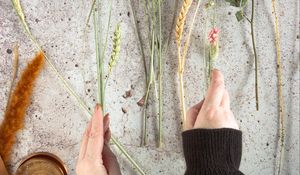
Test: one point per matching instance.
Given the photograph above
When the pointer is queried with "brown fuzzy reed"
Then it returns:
(19, 101)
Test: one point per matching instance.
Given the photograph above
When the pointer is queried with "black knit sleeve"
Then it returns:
(212, 151)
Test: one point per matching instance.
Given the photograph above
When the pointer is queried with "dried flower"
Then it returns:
(213, 35)
(16, 109)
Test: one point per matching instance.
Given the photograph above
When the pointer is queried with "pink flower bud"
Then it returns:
(213, 35)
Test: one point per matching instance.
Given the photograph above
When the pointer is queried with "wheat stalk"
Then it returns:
(116, 48)
(178, 36)
(280, 93)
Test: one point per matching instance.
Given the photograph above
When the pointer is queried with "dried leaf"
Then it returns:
(237, 3)
(239, 15)
(141, 102)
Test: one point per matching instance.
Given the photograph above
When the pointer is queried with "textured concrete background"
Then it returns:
(55, 122)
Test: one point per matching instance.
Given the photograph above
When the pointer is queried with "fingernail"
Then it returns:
(97, 107)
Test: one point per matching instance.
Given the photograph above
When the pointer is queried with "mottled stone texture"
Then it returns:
(55, 122)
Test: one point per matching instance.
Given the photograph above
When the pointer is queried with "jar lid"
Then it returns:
(41, 163)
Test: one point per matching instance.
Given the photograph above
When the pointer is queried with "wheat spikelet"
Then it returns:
(116, 48)
(16, 109)
(181, 20)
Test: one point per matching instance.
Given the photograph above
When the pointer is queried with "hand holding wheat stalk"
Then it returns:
(70, 90)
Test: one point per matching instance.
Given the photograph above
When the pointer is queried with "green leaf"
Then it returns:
(239, 15)
(237, 3)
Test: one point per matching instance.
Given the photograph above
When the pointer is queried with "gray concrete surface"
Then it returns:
(55, 122)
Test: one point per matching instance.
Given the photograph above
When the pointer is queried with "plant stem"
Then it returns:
(148, 90)
(160, 76)
(182, 100)
(121, 148)
(140, 41)
(255, 55)
(99, 58)
(280, 93)
(89, 16)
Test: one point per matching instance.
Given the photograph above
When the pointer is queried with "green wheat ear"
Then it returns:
(116, 48)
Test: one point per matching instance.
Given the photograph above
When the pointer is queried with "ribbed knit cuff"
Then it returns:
(212, 151)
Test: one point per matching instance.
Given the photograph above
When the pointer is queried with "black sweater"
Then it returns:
(212, 151)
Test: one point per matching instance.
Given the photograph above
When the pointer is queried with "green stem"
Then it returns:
(139, 40)
(255, 56)
(121, 148)
(99, 59)
(89, 16)
(148, 90)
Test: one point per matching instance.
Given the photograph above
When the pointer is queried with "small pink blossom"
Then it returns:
(213, 35)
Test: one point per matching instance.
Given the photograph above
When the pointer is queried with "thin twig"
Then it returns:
(255, 55)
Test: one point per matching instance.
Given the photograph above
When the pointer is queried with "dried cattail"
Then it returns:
(181, 20)
(16, 109)
(116, 48)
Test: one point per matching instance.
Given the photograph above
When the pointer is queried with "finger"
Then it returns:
(95, 139)
(84, 141)
(110, 161)
(106, 121)
(225, 100)
(192, 115)
(215, 91)
(107, 136)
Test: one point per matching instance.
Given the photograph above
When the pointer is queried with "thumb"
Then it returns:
(110, 161)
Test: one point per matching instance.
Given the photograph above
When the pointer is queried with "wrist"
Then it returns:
(212, 148)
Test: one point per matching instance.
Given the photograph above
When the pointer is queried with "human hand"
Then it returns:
(95, 157)
(213, 111)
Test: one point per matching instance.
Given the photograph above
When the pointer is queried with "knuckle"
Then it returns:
(218, 83)
(94, 133)
(228, 114)
(210, 113)
(82, 167)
